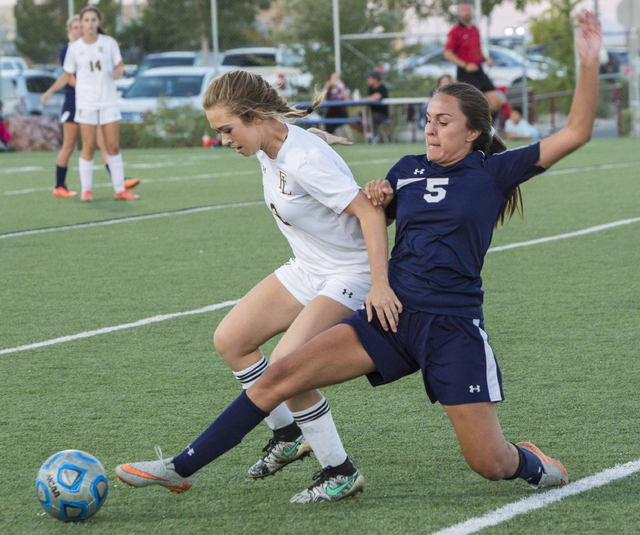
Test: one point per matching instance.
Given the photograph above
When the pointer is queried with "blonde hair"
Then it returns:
(248, 96)
(72, 20)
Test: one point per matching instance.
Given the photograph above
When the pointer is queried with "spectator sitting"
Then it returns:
(517, 128)
(445, 79)
(376, 91)
(5, 135)
(335, 90)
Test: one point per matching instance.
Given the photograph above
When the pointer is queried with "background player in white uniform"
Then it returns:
(71, 129)
(442, 235)
(330, 225)
(96, 62)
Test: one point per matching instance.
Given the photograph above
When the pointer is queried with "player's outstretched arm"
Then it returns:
(328, 138)
(62, 80)
(585, 101)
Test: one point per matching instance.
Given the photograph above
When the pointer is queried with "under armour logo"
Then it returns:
(190, 451)
(345, 292)
(419, 172)
(473, 389)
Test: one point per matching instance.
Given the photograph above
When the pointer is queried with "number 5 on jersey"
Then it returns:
(436, 194)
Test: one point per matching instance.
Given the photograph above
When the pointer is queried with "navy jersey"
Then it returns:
(69, 92)
(444, 223)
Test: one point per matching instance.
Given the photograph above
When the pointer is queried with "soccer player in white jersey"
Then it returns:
(446, 204)
(330, 226)
(71, 129)
(96, 62)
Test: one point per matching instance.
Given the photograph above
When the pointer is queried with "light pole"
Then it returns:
(518, 34)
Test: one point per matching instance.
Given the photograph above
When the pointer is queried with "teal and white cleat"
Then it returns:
(160, 472)
(279, 454)
(331, 486)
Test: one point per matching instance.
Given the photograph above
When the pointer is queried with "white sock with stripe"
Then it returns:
(281, 415)
(116, 168)
(320, 431)
(86, 174)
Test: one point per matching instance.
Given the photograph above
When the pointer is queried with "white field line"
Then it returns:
(239, 173)
(206, 309)
(12, 170)
(582, 232)
(173, 178)
(541, 500)
(131, 218)
(146, 321)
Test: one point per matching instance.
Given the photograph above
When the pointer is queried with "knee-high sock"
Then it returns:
(320, 431)
(280, 416)
(61, 175)
(225, 433)
(116, 169)
(86, 174)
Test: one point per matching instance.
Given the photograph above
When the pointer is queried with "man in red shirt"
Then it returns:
(464, 49)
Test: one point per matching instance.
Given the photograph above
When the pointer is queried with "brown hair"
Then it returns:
(475, 107)
(249, 96)
(98, 14)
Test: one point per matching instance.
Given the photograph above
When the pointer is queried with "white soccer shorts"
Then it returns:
(351, 290)
(106, 115)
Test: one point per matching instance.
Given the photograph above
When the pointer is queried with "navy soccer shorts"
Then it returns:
(68, 113)
(458, 365)
(477, 78)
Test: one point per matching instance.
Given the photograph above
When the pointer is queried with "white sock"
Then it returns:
(116, 168)
(281, 415)
(320, 431)
(86, 174)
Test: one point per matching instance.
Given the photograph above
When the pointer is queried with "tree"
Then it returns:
(430, 8)
(311, 27)
(174, 25)
(42, 28)
(554, 29)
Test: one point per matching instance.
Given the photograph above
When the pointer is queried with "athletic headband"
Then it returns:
(492, 132)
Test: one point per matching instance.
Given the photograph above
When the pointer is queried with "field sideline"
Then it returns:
(107, 311)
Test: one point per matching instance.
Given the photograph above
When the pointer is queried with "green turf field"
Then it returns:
(563, 318)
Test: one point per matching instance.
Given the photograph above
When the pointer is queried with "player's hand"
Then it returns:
(489, 62)
(45, 98)
(386, 304)
(330, 139)
(119, 72)
(379, 192)
(589, 36)
(471, 67)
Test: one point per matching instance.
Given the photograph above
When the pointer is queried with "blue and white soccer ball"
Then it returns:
(72, 485)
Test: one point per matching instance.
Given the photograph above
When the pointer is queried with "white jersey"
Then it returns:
(307, 187)
(93, 66)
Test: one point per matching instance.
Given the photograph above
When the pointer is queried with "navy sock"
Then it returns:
(225, 433)
(530, 466)
(61, 176)
(108, 170)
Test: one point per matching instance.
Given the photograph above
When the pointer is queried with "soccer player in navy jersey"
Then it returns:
(446, 204)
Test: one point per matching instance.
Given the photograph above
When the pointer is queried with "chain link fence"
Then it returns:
(295, 44)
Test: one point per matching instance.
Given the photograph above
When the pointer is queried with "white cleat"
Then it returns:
(160, 472)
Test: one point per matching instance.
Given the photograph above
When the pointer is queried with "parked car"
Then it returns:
(30, 85)
(507, 69)
(160, 59)
(617, 61)
(280, 66)
(175, 86)
(13, 63)
(9, 97)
